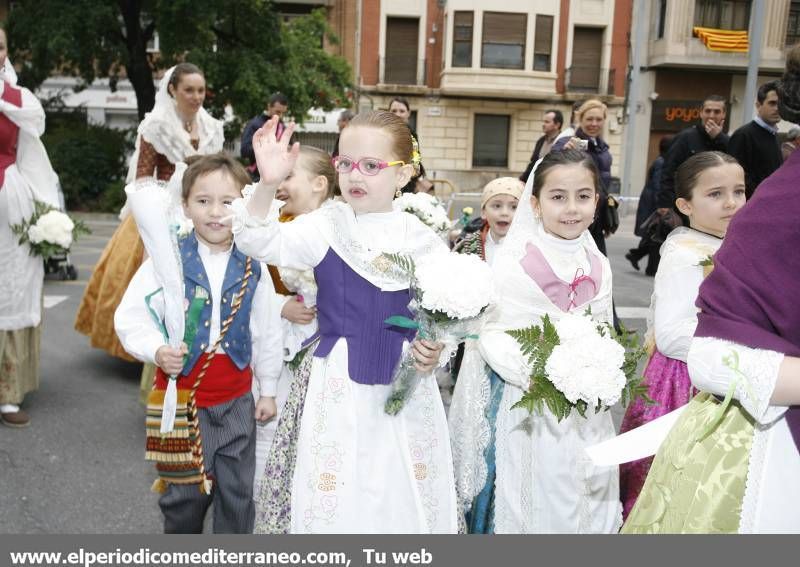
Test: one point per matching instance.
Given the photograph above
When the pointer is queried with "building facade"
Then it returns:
(479, 76)
(679, 70)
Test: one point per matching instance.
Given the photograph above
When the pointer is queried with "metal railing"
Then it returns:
(394, 71)
(587, 79)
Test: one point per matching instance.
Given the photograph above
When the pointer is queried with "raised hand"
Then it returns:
(274, 158)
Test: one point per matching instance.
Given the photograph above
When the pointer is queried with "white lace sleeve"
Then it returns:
(716, 364)
(298, 244)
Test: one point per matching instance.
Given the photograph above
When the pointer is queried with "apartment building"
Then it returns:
(479, 75)
(679, 69)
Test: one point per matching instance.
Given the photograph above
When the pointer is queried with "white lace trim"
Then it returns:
(163, 130)
(761, 369)
(755, 472)
(755, 376)
(470, 432)
(343, 234)
(503, 523)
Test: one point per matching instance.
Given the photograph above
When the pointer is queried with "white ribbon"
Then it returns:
(170, 406)
(635, 444)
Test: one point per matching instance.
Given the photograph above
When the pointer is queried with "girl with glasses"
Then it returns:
(352, 468)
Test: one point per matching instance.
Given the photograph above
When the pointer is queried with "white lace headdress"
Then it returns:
(163, 129)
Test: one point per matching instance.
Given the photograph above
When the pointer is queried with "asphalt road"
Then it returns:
(79, 467)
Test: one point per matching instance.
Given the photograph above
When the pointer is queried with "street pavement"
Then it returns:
(79, 467)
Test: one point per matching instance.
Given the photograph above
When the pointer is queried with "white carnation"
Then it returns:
(301, 282)
(573, 326)
(35, 234)
(586, 366)
(458, 285)
(54, 227)
(426, 208)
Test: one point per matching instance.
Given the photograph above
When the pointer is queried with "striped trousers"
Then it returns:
(229, 448)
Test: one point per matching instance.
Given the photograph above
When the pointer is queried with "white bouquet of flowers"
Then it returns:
(302, 283)
(48, 232)
(426, 208)
(450, 293)
(579, 364)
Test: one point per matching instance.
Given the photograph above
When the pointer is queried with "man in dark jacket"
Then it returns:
(755, 145)
(552, 122)
(703, 137)
(277, 104)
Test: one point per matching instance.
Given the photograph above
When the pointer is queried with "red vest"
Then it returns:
(9, 132)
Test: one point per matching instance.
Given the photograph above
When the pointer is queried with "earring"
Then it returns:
(398, 193)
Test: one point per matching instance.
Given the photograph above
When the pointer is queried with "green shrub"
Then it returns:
(91, 161)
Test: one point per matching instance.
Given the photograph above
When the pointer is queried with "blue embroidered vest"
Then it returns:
(237, 343)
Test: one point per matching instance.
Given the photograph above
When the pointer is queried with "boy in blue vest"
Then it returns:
(215, 273)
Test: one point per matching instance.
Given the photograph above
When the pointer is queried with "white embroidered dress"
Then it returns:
(358, 469)
(545, 482)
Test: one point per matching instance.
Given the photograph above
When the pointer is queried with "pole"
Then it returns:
(755, 37)
(640, 24)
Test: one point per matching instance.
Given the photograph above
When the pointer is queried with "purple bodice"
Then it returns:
(350, 307)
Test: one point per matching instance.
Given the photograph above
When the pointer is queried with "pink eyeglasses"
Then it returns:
(367, 166)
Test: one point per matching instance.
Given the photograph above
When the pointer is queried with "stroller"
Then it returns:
(60, 264)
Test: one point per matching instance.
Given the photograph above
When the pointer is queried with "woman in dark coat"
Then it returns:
(591, 118)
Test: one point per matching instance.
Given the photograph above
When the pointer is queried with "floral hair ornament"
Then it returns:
(416, 157)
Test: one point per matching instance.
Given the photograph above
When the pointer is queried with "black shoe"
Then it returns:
(634, 262)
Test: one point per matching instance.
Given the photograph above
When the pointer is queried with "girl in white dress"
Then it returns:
(358, 470)
(710, 188)
(309, 185)
(517, 472)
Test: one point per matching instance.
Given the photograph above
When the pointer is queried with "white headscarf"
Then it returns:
(163, 129)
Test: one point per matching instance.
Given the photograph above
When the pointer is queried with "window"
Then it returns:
(662, 18)
(503, 45)
(490, 140)
(587, 49)
(462, 39)
(543, 43)
(793, 26)
(722, 14)
(402, 43)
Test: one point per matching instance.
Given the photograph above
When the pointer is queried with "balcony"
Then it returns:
(501, 83)
(590, 80)
(400, 72)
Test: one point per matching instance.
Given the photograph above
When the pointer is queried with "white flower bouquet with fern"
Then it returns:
(579, 364)
(450, 292)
